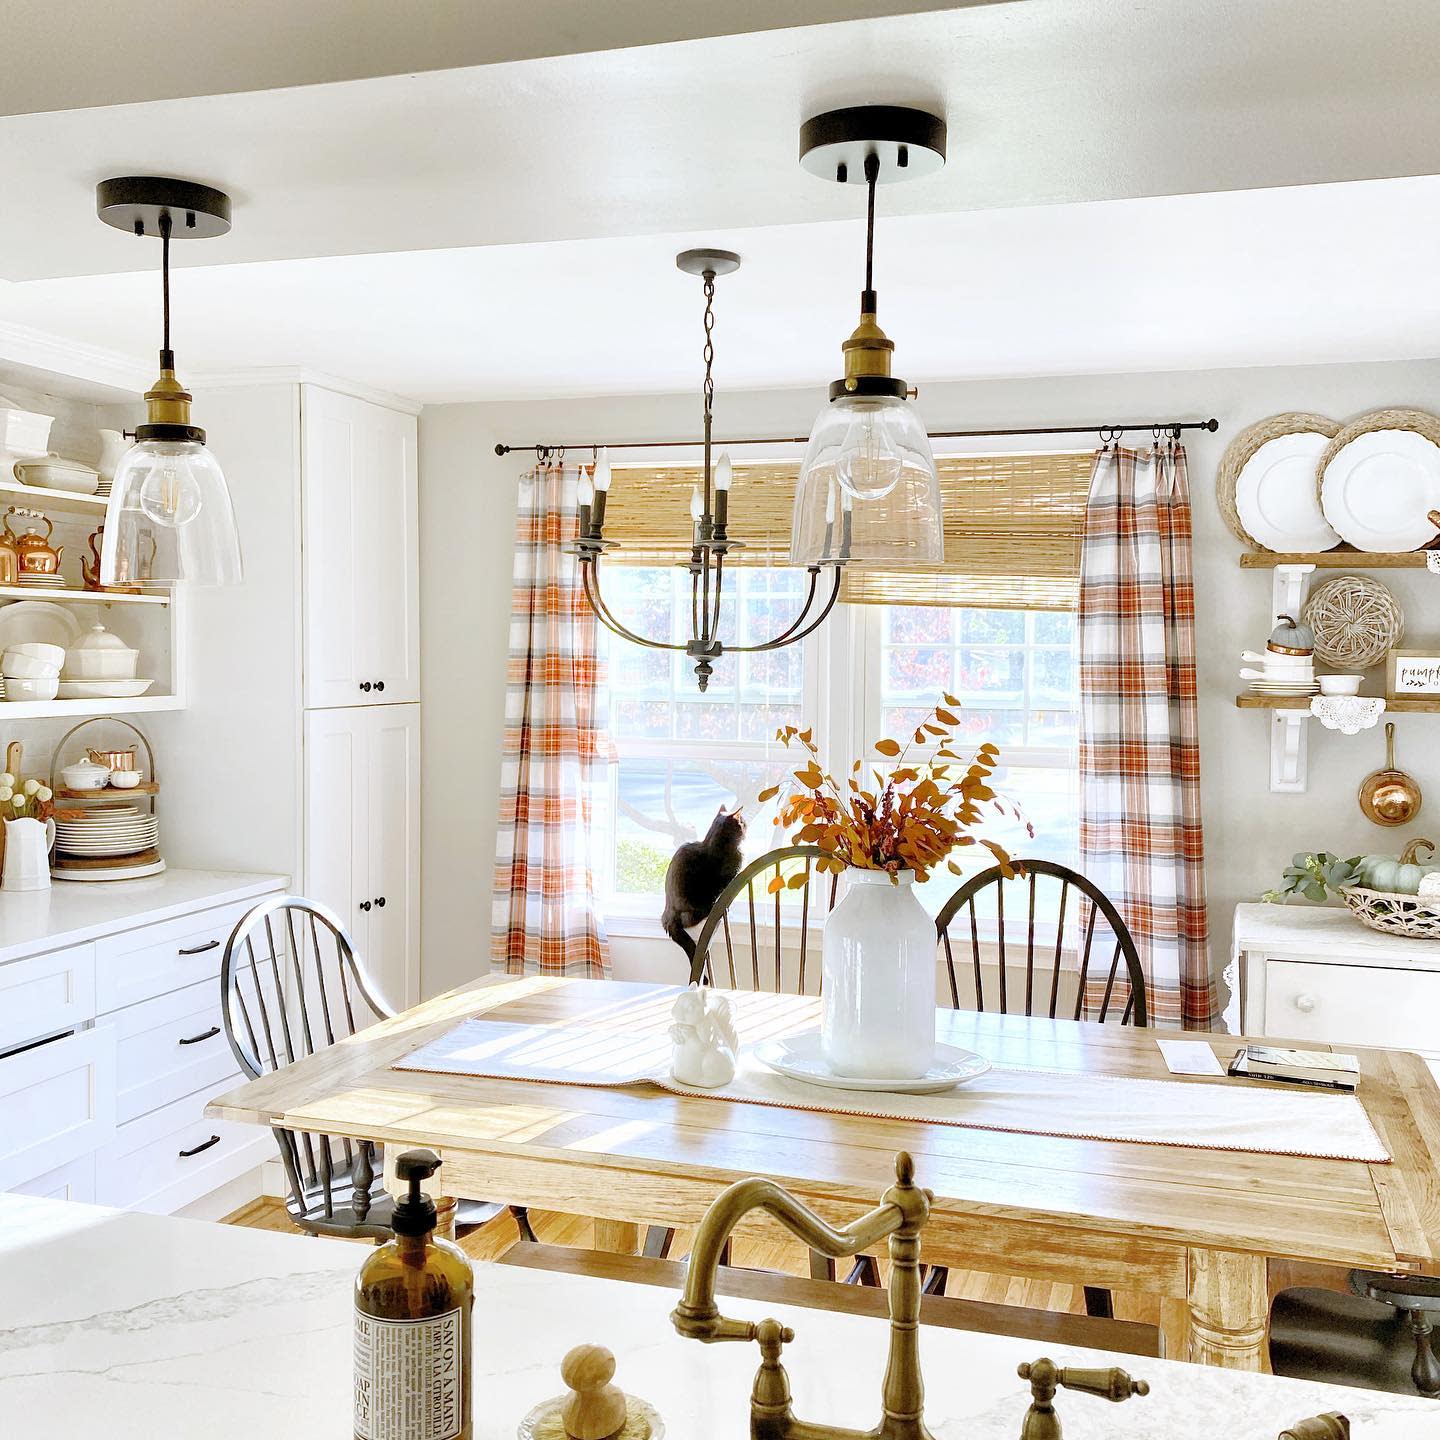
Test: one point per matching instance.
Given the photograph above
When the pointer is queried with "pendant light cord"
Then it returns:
(167, 361)
(872, 178)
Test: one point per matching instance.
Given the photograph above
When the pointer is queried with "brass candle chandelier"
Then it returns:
(710, 516)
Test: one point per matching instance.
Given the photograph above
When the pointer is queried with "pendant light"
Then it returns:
(710, 540)
(169, 518)
(868, 490)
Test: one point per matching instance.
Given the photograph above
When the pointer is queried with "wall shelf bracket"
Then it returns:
(1289, 587)
(1289, 751)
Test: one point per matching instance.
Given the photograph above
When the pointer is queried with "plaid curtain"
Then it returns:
(1140, 837)
(544, 917)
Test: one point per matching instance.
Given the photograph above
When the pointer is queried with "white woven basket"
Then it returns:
(1394, 914)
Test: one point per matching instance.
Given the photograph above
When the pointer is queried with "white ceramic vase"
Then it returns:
(877, 1008)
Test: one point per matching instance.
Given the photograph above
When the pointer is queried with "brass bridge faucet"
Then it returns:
(902, 1211)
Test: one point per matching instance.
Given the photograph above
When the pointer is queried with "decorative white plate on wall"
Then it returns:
(1275, 495)
(1377, 488)
(799, 1058)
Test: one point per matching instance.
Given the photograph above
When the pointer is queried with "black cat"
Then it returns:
(699, 870)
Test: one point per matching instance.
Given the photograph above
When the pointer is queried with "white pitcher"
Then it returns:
(27, 855)
(113, 445)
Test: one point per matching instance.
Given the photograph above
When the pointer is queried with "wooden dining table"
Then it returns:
(1196, 1228)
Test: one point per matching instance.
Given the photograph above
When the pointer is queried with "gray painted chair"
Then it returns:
(291, 985)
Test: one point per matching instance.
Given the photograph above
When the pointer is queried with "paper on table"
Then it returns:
(1189, 1057)
(559, 1054)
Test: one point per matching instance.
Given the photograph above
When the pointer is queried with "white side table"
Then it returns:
(1308, 972)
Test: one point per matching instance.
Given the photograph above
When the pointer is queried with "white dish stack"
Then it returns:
(1287, 668)
(104, 831)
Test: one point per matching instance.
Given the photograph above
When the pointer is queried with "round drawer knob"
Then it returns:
(1305, 1003)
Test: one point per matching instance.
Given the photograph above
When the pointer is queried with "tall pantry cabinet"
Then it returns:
(299, 752)
(361, 628)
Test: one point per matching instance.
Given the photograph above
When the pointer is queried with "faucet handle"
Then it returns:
(1045, 1377)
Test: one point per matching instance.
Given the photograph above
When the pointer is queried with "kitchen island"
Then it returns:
(132, 1325)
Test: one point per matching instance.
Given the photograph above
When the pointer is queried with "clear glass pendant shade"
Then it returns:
(170, 519)
(868, 489)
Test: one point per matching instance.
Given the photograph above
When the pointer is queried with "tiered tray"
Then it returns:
(79, 803)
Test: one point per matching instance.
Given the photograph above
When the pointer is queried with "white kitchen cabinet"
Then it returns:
(113, 1108)
(360, 551)
(362, 840)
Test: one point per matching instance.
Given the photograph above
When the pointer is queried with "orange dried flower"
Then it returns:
(911, 819)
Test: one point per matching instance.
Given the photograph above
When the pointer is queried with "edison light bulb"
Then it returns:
(168, 494)
(870, 459)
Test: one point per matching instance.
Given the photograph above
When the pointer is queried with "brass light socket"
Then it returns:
(167, 401)
(867, 352)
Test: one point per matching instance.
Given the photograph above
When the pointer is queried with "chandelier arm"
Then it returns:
(799, 619)
(713, 629)
(790, 637)
(695, 594)
(590, 580)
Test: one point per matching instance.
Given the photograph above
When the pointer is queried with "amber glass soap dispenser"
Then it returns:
(413, 1299)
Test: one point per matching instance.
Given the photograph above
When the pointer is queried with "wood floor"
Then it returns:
(492, 1240)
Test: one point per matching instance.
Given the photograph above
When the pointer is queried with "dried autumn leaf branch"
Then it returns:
(911, 819)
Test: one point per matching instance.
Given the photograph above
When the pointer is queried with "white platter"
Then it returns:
(53, 472)
(798, 1057)
(1275, 495)
(1378, 488)
(26, 620)
(103, 689)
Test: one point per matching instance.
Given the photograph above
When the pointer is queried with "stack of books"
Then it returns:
(1300, 1067)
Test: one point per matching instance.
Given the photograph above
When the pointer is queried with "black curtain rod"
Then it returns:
(1172, 427)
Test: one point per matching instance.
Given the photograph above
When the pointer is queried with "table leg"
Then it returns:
(619, 1237)
(1228, 1309)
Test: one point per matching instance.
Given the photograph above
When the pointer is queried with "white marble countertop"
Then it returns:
(132, 1326)
(70, 913)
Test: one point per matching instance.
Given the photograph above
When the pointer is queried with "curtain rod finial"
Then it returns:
(502, 449)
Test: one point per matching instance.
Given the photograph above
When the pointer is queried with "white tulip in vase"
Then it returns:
(886, 833)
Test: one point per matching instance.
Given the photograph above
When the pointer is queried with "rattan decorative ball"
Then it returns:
(1356, 620)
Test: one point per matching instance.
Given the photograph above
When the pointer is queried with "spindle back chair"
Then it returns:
(291, 985)
(1109, 981)
(716, 961)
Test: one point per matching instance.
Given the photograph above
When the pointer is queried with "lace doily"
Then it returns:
(1349, 714)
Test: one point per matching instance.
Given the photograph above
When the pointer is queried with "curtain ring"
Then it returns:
(560, 456)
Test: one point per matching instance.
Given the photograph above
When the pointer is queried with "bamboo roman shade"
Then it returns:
(1013, 527)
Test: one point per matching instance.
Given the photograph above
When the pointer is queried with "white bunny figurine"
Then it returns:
(705, 1040)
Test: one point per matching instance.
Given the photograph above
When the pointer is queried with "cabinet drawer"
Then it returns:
(1353, 1005)
(174, 1155)
(75, 1181)
(43, 994)
(168, 1048)
(155, 959)
(58, 1103)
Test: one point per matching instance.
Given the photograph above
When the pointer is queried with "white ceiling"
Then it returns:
(1113, 201)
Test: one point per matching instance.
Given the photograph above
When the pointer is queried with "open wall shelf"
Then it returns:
(1411, 706)
(12, 492)
(73, 596)
(1341, 558)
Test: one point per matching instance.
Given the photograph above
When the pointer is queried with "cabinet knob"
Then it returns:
(1305, 1003)
(365, 686)
(365, 905)
(379, 902)
(379, 684)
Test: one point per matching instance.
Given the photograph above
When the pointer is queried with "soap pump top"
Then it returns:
(414, 1213)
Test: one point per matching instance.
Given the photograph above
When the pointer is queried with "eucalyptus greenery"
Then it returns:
(1314, 876)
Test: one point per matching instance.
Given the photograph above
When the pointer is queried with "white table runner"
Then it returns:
(1216, 1115)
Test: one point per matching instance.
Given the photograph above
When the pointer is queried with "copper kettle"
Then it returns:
(34, 553)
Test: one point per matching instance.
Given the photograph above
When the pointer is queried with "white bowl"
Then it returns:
(26, 667)
(85, 775)
(18, 687)
(1279, 658)
(50, 654)
(118, 664)
(1340, 684)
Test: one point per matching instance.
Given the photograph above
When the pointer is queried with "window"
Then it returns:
(1015, 674)
(872, 670)
(681, 754)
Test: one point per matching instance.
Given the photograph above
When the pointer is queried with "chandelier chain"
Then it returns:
(709, 350)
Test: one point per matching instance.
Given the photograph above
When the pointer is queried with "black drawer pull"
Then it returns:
(204, 1145)
(209, 1034)
(379, 684)
(201, 949)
